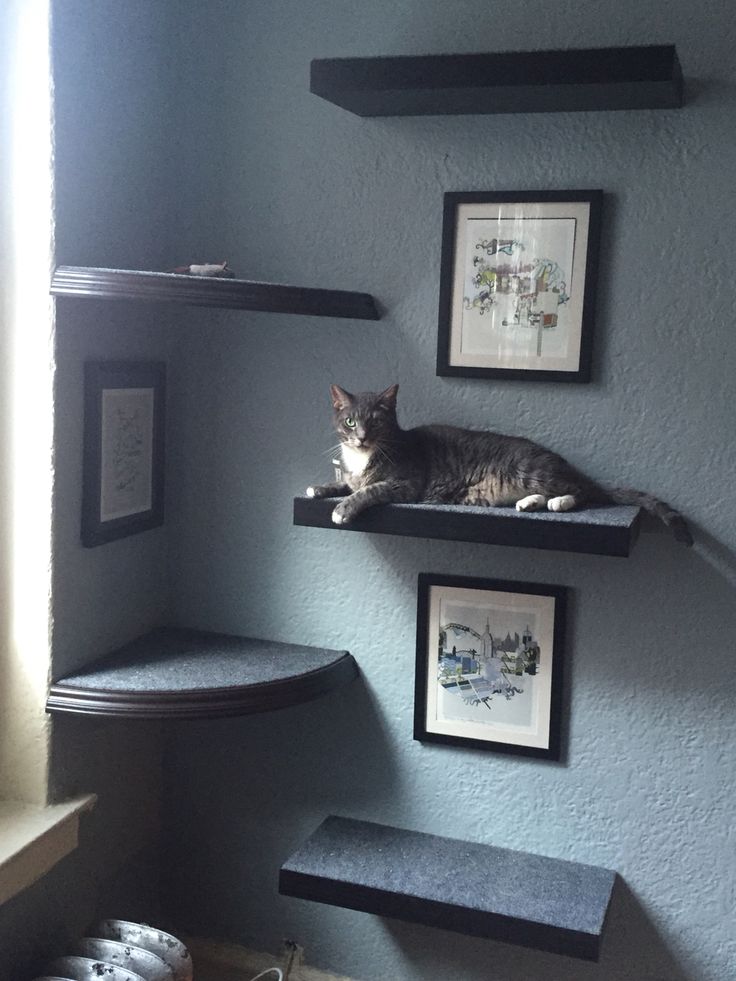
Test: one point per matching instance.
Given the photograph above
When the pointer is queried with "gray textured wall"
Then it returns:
(299, 191)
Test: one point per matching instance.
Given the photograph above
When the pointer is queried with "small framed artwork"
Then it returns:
(517, 284)
(123, 475)
(489, 664)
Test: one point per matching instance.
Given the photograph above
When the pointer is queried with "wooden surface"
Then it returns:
(177, 674)
(235, 294)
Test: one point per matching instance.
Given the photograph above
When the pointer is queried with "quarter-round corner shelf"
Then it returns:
(173, 673)
(575, 79)
(205, 291)
(609, 530)
(472, 888)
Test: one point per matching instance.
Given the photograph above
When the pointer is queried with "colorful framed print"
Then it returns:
(517, 284)
(489, 664)
(123, 475)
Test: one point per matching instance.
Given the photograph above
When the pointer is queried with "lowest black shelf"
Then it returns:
(480, 890)
(173, 673)
(636, 77)
(599, 531)
(206, 291)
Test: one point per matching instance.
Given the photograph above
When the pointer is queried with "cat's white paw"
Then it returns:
(311, 492)
(337, 518)
(534, 502)
(564, 503)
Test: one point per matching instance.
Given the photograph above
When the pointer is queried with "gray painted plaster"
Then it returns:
(297, 190)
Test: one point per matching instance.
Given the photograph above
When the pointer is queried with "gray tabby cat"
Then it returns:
(384, 463)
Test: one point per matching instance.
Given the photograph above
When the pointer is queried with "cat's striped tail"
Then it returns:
(673, 519)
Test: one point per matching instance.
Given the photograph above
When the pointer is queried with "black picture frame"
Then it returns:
(124, 449)
(508, 700)
(503, 329)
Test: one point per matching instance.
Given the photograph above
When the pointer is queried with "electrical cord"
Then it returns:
(270, 970)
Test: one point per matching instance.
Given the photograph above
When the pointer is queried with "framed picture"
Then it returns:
(123, 478)
(489, 664)
(517, 284)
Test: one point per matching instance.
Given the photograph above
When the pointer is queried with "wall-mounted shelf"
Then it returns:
(183, 674)
(203, 291)
(600, 531)
(641, 77)
(481, 890)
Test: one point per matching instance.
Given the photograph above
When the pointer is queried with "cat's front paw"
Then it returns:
(311, 492)
(342, 513)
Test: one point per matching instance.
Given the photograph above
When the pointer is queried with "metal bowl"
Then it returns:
(168, 947)
(89, 969)
(149, 966)
(55, 977)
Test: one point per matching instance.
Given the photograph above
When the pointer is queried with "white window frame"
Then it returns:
(34, 834)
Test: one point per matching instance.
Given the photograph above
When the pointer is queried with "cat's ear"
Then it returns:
(388, 398)
(340, 398)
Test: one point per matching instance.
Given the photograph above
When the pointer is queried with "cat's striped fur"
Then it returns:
(384, 463)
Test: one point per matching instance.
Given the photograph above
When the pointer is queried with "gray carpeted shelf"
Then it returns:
(519, 898)
(178, 674)
(601, 531)
(203, 291)
(633, 77)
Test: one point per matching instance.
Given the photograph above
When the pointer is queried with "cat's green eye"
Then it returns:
(350, 422)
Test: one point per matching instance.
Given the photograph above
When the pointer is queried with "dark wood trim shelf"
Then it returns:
(173, 673)
(481, 890)
(203, 291)
(599, 531)
(634, 77)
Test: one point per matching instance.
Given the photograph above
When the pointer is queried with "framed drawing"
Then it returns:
(123, 471)
(489, 664)
(517, 284)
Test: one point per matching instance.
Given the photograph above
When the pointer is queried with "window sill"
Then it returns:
(33, 839)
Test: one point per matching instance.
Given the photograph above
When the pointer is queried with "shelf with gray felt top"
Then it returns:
(568, 80)
(205, 291)
(173, 673)
(609, 530)
(481, 890)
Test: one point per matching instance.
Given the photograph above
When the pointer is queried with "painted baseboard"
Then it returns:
(216, 960)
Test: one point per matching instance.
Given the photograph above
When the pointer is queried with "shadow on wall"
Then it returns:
(632, 950)
(715, 553)
(274, 777)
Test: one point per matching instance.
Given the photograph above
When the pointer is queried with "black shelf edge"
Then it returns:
(577, 79)
(203, 291)
(173, 673)
(598, 531)
(481, 890)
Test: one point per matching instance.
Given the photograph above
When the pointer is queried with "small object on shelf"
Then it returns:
(476, 889)
(210, 291)
(173, 673)
(213, 269)
(634, 77)
(599, 531)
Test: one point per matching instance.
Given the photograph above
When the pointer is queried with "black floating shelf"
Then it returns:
(599, 531)
(544, 903)
(172, 673)
(204, 291)
(641, 77)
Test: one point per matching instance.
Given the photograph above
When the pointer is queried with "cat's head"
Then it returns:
(366, 419)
